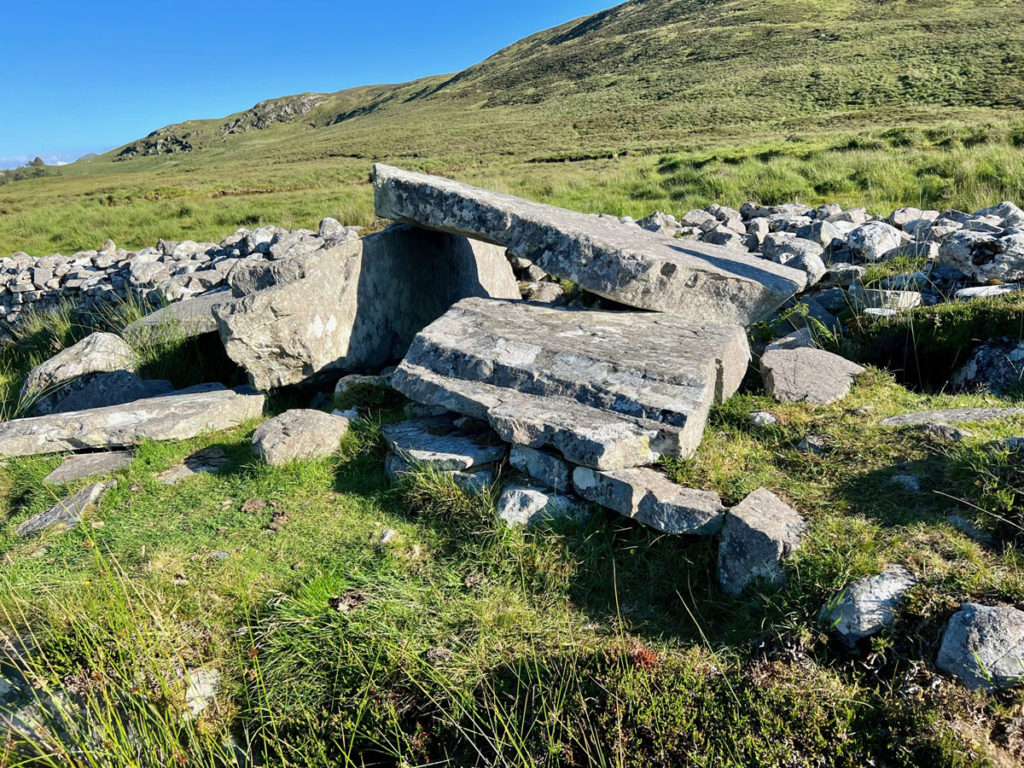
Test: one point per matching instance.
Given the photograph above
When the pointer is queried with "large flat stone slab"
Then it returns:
(353, 307)
(177, 416)
(627, 264)
(609, 390)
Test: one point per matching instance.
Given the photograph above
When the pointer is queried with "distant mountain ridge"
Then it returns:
(650, 73)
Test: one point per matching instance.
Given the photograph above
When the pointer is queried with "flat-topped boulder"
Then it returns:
(608, 390)
(89, 464)
(436, 442)
(177, 416)
(354, 306)
(626, 264)
(952, 416)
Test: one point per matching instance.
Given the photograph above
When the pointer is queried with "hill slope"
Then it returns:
(650, 73)
(745, 96)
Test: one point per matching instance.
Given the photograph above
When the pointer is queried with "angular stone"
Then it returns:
(185, 319)
(543, 467)
(66, 512)
(96, 353)
(952, 416)
(89, 464)
(652, 499)
(996, 367)
(626, 264)
(298, 434)
(521, 505)
(614, 389)
(807, 375)
(873, 240)
(984, 646)
(356, 305)
(759, 533)
(987, 291)
(879, 299)
(179, 416)
(436, 442)
(868, 605)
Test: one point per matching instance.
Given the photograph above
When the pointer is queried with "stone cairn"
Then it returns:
(579, 402)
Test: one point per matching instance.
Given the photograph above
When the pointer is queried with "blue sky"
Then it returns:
(78, 77)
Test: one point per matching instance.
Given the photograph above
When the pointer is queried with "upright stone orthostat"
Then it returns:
(626, 264)
(354, 306)
(608, 390)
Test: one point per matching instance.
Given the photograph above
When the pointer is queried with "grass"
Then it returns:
(460, 641)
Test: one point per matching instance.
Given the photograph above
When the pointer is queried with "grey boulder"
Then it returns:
(47, 383)
(542, 466)
(182, 319)
(985, 256)
(759, 533)
(868, 605)
(298, 434)
(806, 375)
(873, 240)
(984, 646)
(995, 367)
(522, 505)
(626, 264)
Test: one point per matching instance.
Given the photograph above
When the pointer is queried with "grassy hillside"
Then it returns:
(868, 102)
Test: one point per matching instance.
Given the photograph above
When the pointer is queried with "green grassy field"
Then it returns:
(606, 644)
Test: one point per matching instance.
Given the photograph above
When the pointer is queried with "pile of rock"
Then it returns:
(170, 271)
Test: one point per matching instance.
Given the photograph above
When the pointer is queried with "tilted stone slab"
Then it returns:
(952, 416)
(185, 319)
(609, 390)
(179, 416)
(89, 464)
(627, 264)
(652, 499)
(354, 306)
(65, 512)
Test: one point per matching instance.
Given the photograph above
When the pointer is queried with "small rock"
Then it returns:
(873, 240)
(546, 468)
(88, 464)
(807, 375)
(763, 419)
(388, 536)
(521, 505)
(868, 605)
(298, 434)
(815, 444)
(984, 646)
(203, 685)
(909, 483)
(66, 512)
(759, 533)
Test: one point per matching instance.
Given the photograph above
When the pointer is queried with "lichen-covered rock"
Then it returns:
(298, 434)
(985, 256)
(522, 505)
(356, 305)
(759, 533)
(996, 367)
(806, 375)
(48, 383)
(868, 605)
(626, 264)
(873, 240)
(606, 389)
(984, 646)
(652, 499)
